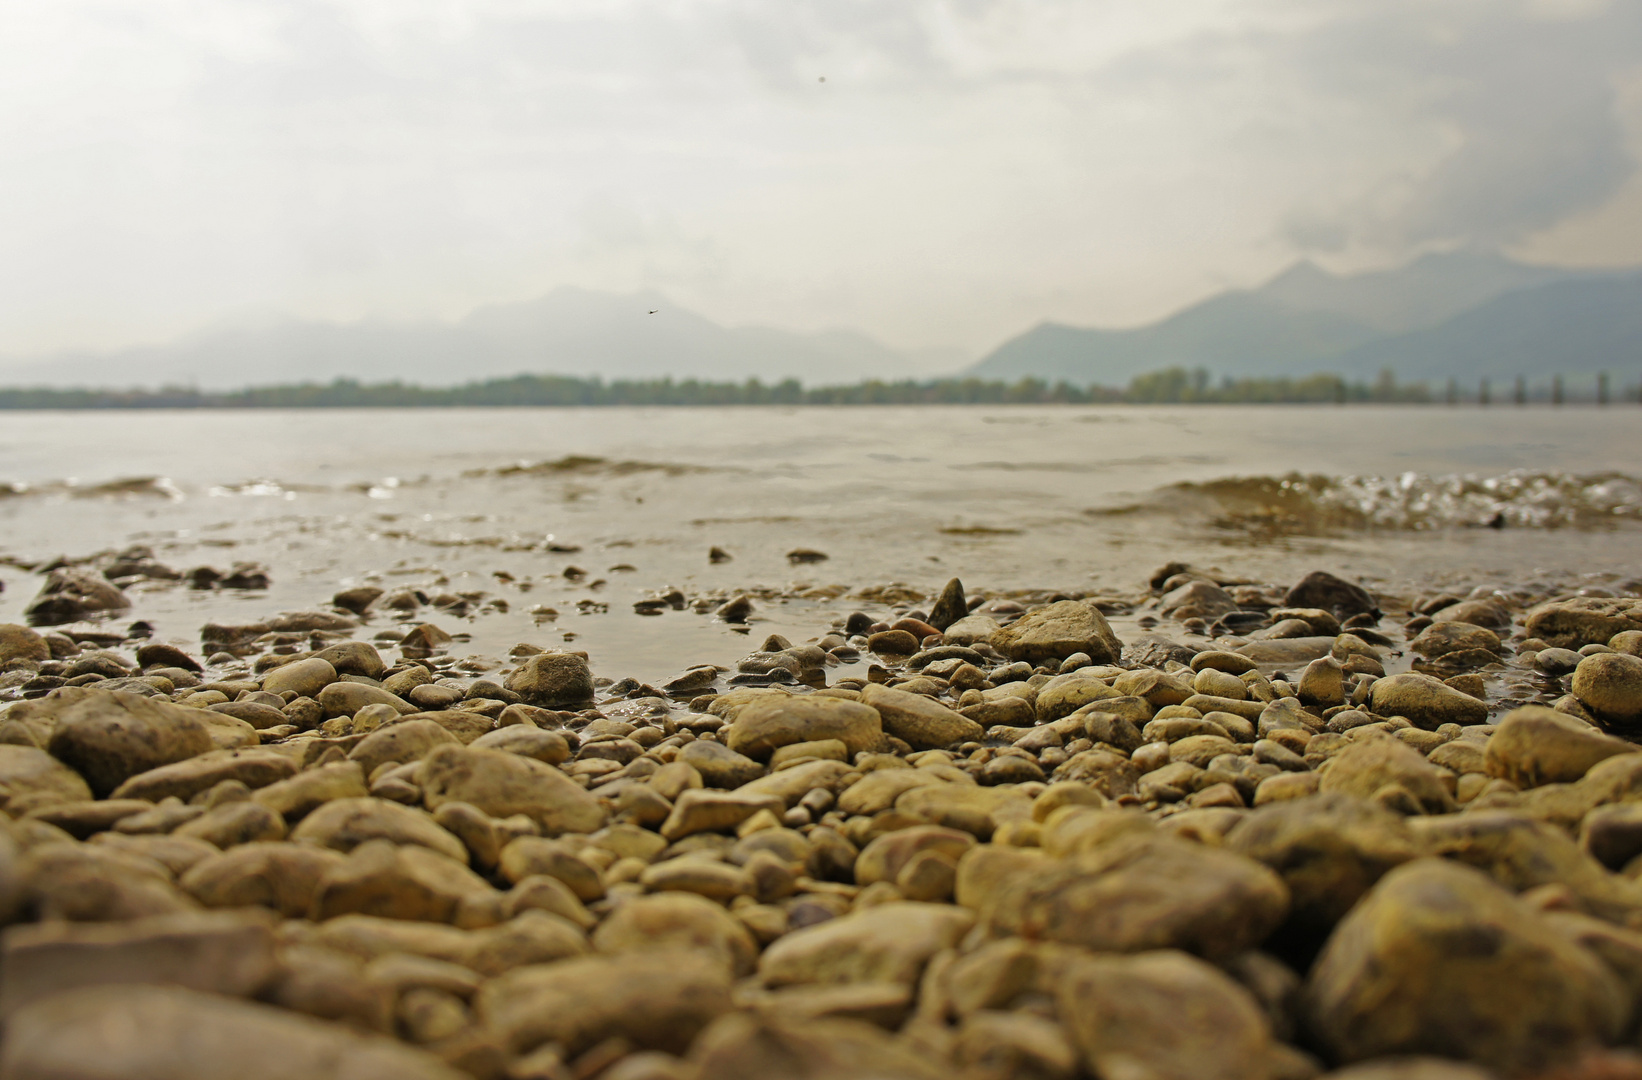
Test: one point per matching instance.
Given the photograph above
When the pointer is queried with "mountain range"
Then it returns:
(1463, 315)
(569, 331)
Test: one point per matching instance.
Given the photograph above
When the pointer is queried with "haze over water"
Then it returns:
(1076, 499)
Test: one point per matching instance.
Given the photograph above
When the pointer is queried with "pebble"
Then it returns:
(1016, 846)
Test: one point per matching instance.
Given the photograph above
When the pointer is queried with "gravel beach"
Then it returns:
(1210, 826)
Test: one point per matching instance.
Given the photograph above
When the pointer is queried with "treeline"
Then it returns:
(1176, 385)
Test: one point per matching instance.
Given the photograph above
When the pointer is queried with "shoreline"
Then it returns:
(947, 835)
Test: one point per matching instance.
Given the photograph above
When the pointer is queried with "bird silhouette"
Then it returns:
(653, 312)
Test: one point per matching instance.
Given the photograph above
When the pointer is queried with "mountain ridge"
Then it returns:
(569, 331)
(1460, 314)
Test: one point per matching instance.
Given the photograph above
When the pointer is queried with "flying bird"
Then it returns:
(653, 312)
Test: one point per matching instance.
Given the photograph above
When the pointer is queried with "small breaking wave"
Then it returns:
(585, 465)
(1300, 504)
(127, 487)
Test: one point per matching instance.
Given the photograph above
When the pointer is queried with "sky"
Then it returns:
(937, 173)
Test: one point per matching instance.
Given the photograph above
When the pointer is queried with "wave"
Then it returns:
(1309, 504)
(126, 487)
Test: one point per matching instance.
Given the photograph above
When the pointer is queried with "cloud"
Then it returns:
(1518, 104)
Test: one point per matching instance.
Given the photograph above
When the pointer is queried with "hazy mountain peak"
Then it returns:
(568, 331)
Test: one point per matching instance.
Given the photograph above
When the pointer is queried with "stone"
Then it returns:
(719, 766)
(678, 921)
(228, 732)
(535, 856)
(1056, 632)
(922, 722)
(949, 607)
(300, 795)
(548, 747)
(776, 1043)
(1612, 835)
(1108, 773)
(344, 824)
(229, 953)
(885, 857)
(529, 937)
(878, 790)
(1445, 638)
(763, 726)
(402, 882)
(82, 820)
(276, 875)
(1323, 684)
(503, 784)
(177, 854)
(185, 779)
(1329, 850)
(553, 679)
(31, 779)
(893, 643)
(111, 1033)
(93, 883)
(888, 943)
(1610, 686)
(973, 809)
(1534, 745)
(259, 716)
(409, 740)
(654, 1000)
(1145, 892)
(1162, 1016)
(1067, 694)
(109, 736)
(702, 876)
(1374, 762)
(792, 784)
(353, 658)
(1521, 853)
(71, 595)
(1196, 600)
(1320, 589)
(1437, 959)
(971, 630)
(1583, 620)
(347, 698)
(709, 810)
(22, 643)
(305, 678)
(1426, 701)
(234, 823)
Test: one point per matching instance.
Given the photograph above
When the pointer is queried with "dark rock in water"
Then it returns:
(553, 678)
(1321, 589)
(950, 607)
(159, 654)
(245, 575)
(806, 555)
(718, 555)
(358, 599)
(71, 595)
(859, 622)
(735, 610)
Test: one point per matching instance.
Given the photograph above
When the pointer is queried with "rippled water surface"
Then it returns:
(1008, 498)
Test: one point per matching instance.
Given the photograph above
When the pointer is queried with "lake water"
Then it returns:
(1076, 499)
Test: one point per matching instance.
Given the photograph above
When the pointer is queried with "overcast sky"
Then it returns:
(934, 172)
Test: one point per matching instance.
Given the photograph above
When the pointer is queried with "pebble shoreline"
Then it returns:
(1276, 833)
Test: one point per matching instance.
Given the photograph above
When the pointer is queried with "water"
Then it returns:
(1075, 499)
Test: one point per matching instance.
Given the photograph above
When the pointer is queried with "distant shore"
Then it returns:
(1172, 386)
